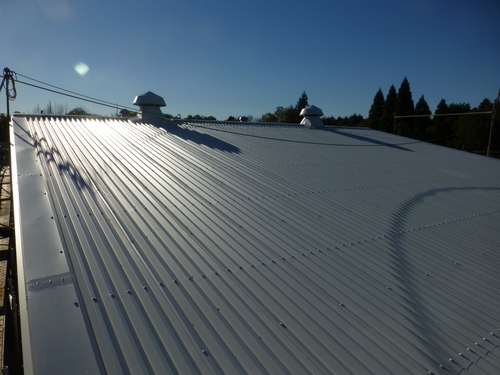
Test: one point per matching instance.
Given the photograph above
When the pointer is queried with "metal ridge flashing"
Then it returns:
(28, 362)
(49, 300)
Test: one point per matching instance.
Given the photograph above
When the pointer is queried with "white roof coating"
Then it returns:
(230, 248)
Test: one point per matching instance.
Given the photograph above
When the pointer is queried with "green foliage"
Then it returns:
(405, 107)
(352, 120)
(302, 102)
(468, 132)
(420, 124)
(376, 113)
(288, 115)
(386, 124)
(78, 111)
(4, 128)
(199, 117)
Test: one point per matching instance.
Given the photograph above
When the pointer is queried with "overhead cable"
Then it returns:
(77, 95)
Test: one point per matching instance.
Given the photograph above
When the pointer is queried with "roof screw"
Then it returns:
(129, 292)
(161, 284)
(202, 275)
(37, 283)
(94, 299)
(175, 281)
(341, 304)
(241, 268)
(62, 279)
(204, 352)
(190, 277)
(50, 281)
(460, 354)
(281, 324)
(76, 304)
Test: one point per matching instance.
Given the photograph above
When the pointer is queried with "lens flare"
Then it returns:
(81, 68)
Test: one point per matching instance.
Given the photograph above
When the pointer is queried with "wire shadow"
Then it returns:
(201, 138)
(421, 314)
(366, 139)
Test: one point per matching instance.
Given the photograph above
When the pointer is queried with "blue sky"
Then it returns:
(224, 57)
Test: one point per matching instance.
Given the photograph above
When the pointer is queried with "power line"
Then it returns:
(80, 96)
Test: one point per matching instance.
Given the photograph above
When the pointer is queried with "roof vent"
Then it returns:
(311, 117)
(150, 104)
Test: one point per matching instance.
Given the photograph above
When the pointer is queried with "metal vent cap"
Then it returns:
(149, 99)
(311, 110)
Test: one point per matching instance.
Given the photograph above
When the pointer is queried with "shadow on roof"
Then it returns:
(432, 333)
(375, 142)
(202, 139)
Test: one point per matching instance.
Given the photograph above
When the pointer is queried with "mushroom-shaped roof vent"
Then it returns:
(311, 110)
(149, 99)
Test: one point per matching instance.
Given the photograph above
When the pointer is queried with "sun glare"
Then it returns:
(81, 68)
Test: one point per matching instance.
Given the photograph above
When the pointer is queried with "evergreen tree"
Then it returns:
(302, 102)
(420, 124)
(288, 114)
(439, 125)
(377, 111)
(386, 124)
(404, 107)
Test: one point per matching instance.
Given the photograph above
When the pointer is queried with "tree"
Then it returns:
(78, 111)
(404, 107)
(199, 117)
(439, 128)
(52, 108)
(376, 112)
(4, 128)
(289, 115)
(302, 102)
(420, 124)
(386, 124)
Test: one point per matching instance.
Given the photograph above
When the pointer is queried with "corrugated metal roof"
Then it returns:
(249, 248)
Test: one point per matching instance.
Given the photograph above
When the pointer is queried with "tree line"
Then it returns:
(446, 128)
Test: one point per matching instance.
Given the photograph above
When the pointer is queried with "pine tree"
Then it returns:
(302, 102)
(439, 125)
(386, 124)
(376, 112)
(405, 107)
(420, 124)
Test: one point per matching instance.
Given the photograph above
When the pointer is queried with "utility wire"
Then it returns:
(103, 103)
(80, 96)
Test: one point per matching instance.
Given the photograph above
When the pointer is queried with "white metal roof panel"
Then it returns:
(228, 248)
